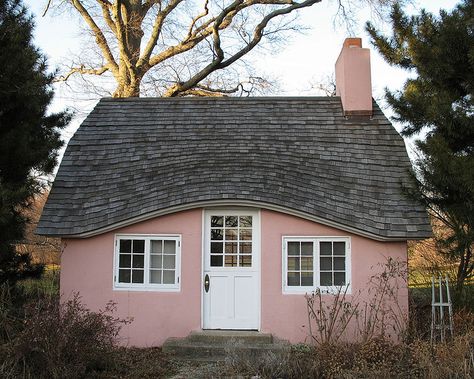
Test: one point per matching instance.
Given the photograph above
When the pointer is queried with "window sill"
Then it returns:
(326, 290)
(147, 289)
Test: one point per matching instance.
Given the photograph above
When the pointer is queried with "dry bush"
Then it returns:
(62, 341)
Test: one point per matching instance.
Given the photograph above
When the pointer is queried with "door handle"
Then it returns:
(206, 283)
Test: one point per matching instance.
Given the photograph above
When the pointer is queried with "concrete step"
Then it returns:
(213, 346)
(222, 336)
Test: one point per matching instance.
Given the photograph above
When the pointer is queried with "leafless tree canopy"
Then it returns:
(176, 45)
(182, 47)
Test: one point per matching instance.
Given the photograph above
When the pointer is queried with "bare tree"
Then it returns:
(179, 47)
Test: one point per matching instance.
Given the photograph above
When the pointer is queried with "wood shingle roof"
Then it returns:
(132, 159)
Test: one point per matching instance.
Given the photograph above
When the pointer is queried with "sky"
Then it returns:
(307, 59)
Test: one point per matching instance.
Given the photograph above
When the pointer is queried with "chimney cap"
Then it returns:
(353, 42)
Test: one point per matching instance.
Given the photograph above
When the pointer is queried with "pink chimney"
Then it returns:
(353, 80)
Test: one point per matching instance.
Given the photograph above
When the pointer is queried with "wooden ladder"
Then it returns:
(441, 323)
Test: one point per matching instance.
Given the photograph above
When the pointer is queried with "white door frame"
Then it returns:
(256, 258)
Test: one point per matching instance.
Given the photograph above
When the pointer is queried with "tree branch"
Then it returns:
(160, 18)
(100, 39)
(82, 70)
(219, 62)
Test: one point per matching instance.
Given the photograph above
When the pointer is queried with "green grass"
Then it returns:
(47, 285)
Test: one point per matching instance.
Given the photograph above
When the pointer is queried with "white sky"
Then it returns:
(308, 58)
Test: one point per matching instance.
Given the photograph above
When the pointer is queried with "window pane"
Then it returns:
(231, 261)
(339, 278)
(217, 221)
(306, 278)
(217, 260)
(293, 248)
(245, 221)
(307, 248)
(216, 234)
(339, 263)
(231, 248)
(325, 263)
(231, 221)
(126, 246)
(245, 261)
(156, 247)
(231, 234)
(325, 248)
(217, 247)
(245, 234)
(293, 278)
(138, 261)
(170, 247)
(307, 263)
(339, 248)
(168, 276)
(139, 246)
(125, 260)
(246, 248)
(293, 263)
(124, 276)
(137, 276)
(155, 261)
(326, 279)
(155, 276)
(169, 261)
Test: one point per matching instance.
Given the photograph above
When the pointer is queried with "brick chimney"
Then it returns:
(353, 80)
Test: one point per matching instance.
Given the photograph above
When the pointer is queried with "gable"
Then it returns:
(133, 159)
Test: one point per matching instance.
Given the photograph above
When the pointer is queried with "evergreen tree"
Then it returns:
(29, 138)
(438, 101)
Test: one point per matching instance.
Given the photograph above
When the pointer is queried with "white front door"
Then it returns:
(231, 277)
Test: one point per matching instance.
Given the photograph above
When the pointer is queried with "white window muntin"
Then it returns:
(255, 242)
(146, 285)
(316, 265)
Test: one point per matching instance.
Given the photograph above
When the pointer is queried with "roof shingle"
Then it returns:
(133, 157)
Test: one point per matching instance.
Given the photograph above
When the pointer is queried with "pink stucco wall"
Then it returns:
(87, 268)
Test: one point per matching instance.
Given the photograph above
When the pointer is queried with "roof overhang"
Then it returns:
(237, 203)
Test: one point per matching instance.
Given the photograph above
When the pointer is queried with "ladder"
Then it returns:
(441, 311)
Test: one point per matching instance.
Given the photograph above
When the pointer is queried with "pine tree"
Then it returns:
(438, 101)
(29, 138)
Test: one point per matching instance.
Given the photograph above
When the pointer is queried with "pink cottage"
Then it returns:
(205, 213)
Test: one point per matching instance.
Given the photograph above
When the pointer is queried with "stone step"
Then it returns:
(222, 336)
(213, 346)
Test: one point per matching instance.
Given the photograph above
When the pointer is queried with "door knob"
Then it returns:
(206, 283)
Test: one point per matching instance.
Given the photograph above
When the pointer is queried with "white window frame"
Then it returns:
(146, 286)
(316, 269)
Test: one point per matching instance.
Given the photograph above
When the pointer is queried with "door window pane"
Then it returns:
(217, 247)
(217, 221)
(245, 221)
(217, 260)
(245, 261)
(231, 221)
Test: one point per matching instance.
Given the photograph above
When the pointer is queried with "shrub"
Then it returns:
(63, 341)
